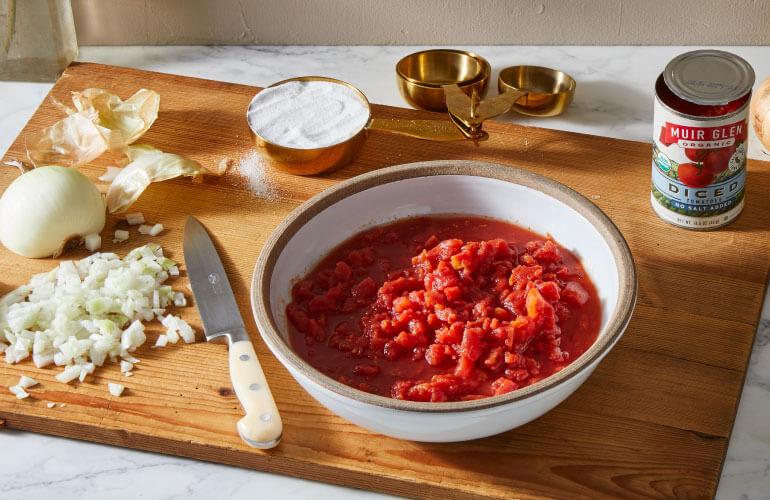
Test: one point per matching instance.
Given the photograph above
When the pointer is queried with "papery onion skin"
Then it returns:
(46, 207)
(760, 114)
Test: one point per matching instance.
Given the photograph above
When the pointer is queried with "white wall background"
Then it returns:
(437, 22)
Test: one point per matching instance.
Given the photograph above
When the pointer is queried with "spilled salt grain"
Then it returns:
(253, 174)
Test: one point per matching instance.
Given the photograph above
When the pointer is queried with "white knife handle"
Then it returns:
(261, 427)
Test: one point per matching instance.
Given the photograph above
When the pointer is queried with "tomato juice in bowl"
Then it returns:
(466, 189)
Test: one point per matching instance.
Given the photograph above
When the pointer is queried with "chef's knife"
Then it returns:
(261, 427)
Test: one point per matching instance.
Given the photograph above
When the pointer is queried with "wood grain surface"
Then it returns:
(653, 421)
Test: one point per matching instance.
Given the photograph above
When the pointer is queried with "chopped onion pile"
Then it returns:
(83, 313)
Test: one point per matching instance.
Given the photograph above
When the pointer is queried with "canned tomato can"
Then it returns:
(699, 139)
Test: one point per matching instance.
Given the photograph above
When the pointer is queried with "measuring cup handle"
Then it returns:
(429, 130)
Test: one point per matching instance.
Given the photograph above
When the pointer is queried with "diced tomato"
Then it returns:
(464, 367)
(453, 293)
(549, 253)
(438, 354)
(537, 307)
(503, 386)
(574, 293)
(322, 303)
(302, 290)
(549, 290)
(366, 369)
(343, 271)
(425, 310)
(298, 317)
(401, 304)
(365, 288)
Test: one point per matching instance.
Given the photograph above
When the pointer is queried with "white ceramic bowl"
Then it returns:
(443, 187)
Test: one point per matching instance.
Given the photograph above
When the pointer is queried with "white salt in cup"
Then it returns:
(311, 161)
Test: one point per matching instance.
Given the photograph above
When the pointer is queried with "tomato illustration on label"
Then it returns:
(717, 160)
(695, 154)
(695, 176)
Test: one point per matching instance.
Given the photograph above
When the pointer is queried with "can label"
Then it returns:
(698, 168)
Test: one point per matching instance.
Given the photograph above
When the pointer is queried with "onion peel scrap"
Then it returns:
(99, 122)
(146, 165)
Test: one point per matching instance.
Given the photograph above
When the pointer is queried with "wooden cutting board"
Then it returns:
(653, 420)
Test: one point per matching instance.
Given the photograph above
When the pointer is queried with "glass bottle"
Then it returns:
(37, 39)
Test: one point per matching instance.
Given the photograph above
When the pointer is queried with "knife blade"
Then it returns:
(261, 427)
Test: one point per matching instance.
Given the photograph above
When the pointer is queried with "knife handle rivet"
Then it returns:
(244, 357)
(265, 417)
(255, 387)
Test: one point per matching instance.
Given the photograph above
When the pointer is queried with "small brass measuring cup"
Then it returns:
(464, 125)
(549, 91)
(422, 75)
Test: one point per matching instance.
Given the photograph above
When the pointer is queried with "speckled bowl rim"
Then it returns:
(616, 325)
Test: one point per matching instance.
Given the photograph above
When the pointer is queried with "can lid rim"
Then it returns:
(709, 77)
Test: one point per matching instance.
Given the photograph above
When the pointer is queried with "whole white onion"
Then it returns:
(760, 114)
(46, 207)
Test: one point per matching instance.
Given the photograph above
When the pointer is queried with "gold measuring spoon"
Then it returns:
(469, 112)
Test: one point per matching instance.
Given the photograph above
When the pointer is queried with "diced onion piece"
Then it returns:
(145, 229)
(50, 405)
(135, 218)
(69, 374)
(26, 382)
(120, 236)
(172, 335)
(126, 366)
(115, 389)
(179, 299)
(85, 370)
(133, 336)
(93, 242)
(43, 360)
(186, 331)
(19, 392)
(172, 331)
(173, 271)
(156, 229)
(161, 341)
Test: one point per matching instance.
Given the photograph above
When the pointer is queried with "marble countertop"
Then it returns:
(614, 98)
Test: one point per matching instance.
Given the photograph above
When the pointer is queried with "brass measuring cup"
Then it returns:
(421, 76)
(465, 124)
(549, 91)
